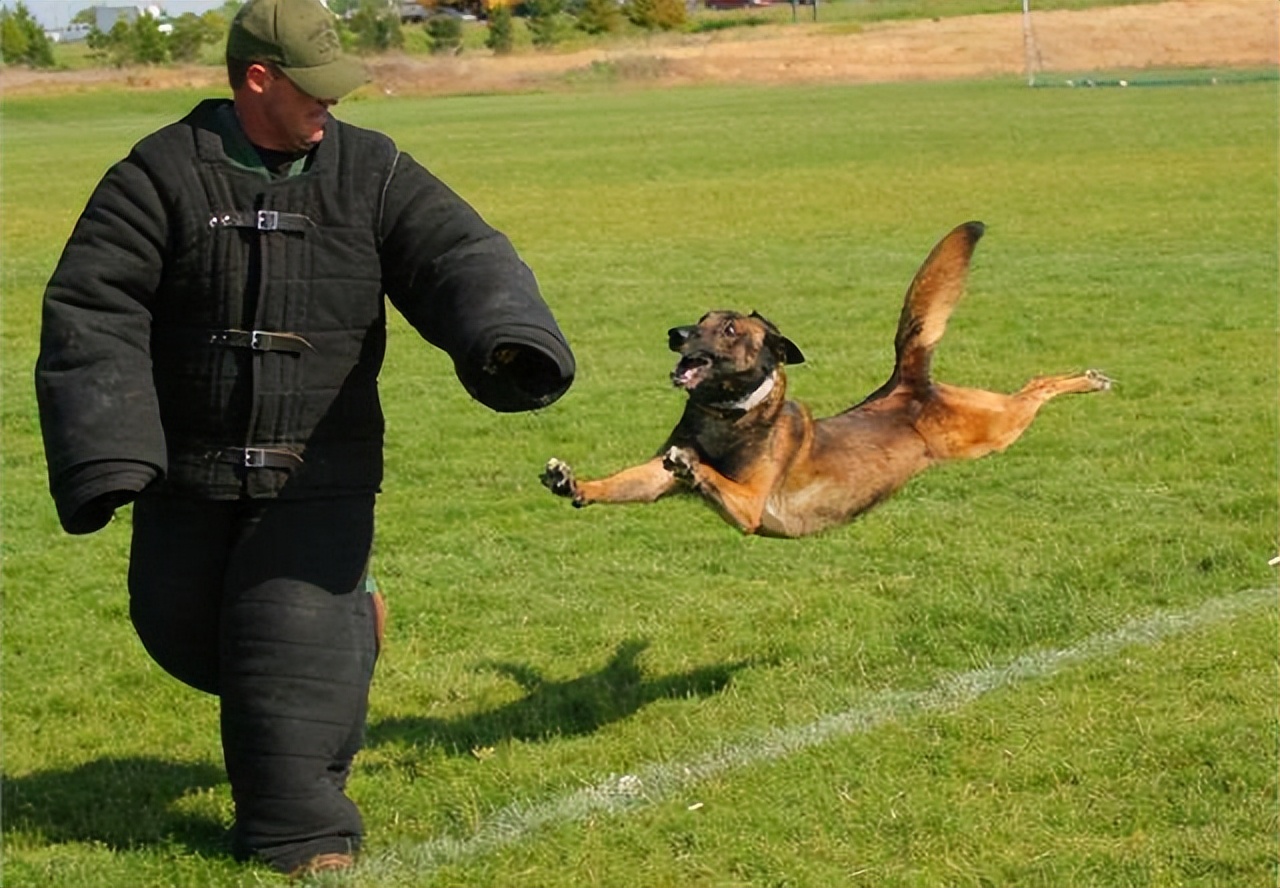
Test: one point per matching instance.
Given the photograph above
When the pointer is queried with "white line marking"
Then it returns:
(662, 780)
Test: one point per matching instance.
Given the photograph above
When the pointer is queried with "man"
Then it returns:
(211, 342)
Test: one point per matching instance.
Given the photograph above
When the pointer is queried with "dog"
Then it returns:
(770, 468)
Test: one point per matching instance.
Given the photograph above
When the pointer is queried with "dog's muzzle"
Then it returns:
(693, 366)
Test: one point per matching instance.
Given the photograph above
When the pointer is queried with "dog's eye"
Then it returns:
(730, 330)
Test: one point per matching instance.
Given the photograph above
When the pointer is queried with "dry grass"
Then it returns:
(1181, 33)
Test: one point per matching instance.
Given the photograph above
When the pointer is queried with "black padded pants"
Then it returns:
(262, 602)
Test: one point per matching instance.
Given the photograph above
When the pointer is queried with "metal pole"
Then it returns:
(1028, 43)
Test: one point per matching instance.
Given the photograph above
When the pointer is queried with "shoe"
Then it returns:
(324, 863)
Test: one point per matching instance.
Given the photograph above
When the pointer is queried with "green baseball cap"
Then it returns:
(299, 37)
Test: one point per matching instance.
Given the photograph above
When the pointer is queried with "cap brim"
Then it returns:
(329, 81)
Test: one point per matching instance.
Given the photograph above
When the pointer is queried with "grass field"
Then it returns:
(1055, 666)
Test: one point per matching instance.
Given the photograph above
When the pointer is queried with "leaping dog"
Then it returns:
(770, 468)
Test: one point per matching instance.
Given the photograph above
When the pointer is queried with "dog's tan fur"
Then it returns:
(769, 467)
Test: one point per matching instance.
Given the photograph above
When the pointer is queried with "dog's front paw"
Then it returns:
(680, 462)
(558, 477)
(1101, 382)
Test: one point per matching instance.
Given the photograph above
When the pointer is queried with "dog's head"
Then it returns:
(727, 355)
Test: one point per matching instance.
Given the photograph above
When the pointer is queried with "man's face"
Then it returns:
(294, 119)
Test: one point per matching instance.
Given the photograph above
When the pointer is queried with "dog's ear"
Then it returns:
(786, 350)
(791, 353)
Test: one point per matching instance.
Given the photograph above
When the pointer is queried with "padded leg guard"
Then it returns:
(263, 602)
(298, 646)
(295, 684)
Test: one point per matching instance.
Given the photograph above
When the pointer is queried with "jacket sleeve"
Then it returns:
(460, 283)
(99, 413)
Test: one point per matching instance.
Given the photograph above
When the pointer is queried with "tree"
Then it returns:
(376, 26)
(445, 32)
(147, 42)
(655, 15)
(111, 46)
(191, 33)
(549, 24)
(139, 43)
(218, 21)
(600, 16)
(502, 35)
(22, 40)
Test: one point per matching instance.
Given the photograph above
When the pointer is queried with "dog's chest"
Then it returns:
(735, 463)
(735, 448)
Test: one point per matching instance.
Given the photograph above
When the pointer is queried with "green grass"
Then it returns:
(1130, 230)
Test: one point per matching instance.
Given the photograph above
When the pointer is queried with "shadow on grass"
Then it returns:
(120, 802)
(557, 708)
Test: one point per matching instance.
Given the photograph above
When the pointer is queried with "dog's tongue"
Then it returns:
(689, 372)
(684, 376)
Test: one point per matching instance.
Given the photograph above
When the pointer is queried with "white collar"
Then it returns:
(754, 398)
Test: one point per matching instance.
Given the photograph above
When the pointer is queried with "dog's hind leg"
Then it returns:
(934, 292)
(966, 423)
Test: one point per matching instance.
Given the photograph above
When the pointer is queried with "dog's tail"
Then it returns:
(933, 293)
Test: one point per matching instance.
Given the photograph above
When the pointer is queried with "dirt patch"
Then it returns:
(1180, 33)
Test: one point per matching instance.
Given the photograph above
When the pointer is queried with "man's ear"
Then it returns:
(786, 351)
(256, 77)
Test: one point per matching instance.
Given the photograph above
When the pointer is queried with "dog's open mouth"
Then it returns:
(691, 370)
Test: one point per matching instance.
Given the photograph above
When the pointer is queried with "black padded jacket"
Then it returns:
(220, 331)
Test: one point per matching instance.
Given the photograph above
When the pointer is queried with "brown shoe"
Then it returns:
(324, 863)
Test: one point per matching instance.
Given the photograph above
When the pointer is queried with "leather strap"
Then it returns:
(260, 457)
(262, 220)
(260, 340)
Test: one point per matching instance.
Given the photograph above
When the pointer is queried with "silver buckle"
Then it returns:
(268, 220)
(259, 341)
(254, 458)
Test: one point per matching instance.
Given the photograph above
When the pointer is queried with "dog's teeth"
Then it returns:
(687, 377)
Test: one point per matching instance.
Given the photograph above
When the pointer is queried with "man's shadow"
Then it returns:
(557, 708)
(120, 802)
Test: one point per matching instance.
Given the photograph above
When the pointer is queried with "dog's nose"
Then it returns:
(678, 336)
